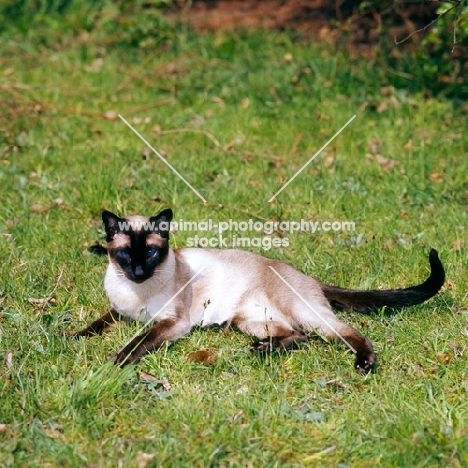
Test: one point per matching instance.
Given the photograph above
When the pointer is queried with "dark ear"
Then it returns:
(162, 222)
(111, 223)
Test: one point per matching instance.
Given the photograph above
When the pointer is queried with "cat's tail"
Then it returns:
(366, 301)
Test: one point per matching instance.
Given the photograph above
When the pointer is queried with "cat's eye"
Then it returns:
(124, 254)
(150, 252)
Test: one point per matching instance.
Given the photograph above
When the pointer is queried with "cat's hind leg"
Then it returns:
(329, 326)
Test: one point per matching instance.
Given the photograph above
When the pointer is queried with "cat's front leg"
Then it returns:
(165, 330)
(99, 325)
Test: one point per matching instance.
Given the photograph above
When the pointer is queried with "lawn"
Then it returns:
(237, 115)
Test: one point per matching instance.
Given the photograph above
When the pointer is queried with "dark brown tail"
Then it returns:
(366, 301)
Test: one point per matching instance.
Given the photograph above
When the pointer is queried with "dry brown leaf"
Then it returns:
(383, 106)
(95, 66)
(54, 433)
(9, 71)
(205, 356)
(408, 145)
(242, 390)
(34, 300)
(39, 208)
(329, 160)
(111, 115)
(245, 103)
(218, 100)
(443, 358)
(374, 145)
(147, 376)
(143, 459)
(436, 177)
(8, 361)
(387, 90)
(232, 143)
(166, 384)
(457, 245)
(237, 415)
(385, 163)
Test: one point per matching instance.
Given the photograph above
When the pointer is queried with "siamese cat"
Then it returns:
(175, 290)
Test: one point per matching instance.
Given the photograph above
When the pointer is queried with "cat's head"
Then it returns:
(137, 245)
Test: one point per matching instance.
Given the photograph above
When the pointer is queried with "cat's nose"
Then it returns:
(139, 272)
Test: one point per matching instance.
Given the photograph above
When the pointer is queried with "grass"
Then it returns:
(271, 100)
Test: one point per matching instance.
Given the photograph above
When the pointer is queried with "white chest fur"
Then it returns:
(143, 301)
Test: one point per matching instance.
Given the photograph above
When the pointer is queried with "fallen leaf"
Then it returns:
(205, 356)
(218, 100)
(329, 160)
(143, 459)
(166, 384)
(147, 376)
(374, 145)
(232, 143)
(385, 163)
(245, 103)
(158, 198)
(387, 90)
(40, 208)
(34, 300)
(54, 433)
(242, 390)
(457, 245)
(9, 71)
(443, 358)
(157, 128)
(110, 115)
(95, 66)
(146, 152)
(383, 106)
(8, 361)
(436, 177)
(404, 214)
(408, 145)
(237, 415)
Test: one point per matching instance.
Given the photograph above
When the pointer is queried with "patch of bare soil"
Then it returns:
(326, 20)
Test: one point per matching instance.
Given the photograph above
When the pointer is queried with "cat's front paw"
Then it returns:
(366, 363)
(263, 346)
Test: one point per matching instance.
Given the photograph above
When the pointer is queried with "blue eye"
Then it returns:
(150, 252)
(124, 254)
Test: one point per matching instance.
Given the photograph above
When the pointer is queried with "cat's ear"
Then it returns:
(112, 223)
(162, 222)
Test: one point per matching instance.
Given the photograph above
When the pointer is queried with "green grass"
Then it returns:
(63, 405)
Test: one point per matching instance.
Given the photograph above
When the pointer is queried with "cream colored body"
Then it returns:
(232, 286)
